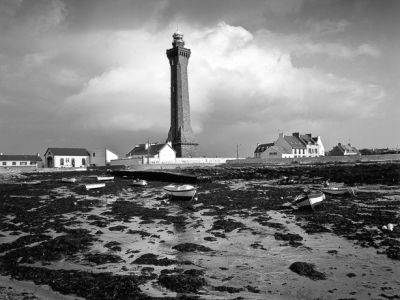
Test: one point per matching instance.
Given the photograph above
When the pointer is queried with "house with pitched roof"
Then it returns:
(153, 152)
(290, 146)
(66, 158)
(344, 150)
(20, 161)
(261, 149)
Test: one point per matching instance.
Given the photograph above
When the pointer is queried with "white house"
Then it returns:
(290, 146)
(23, 161)
(66, 158)
(153, 153)
(101, 157)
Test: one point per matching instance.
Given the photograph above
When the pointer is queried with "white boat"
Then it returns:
(33, 182)
(338, 190)
(104, 178)
(139, 182)
(69, 180)
(309, 200)
(180, 191)
(91, 186)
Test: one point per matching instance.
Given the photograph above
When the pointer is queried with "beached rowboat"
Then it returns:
(69, 180)
(338, 190)
(139, 182)
(91, 186)
(104, 178)
(309, 200)
(184, 192)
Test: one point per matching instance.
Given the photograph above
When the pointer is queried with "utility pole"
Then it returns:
(148, 151)
(237, 151)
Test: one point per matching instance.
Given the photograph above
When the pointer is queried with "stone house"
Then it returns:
(344, 150)
(290, 146)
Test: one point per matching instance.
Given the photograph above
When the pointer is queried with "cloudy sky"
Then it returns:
(93, 73)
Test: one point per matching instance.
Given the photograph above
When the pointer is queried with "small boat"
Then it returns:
(33, 182)
(139, 182)
(91, 186)
(184, 192)
(69, 180)
(104, 178)
(338, 190)
(309, 200)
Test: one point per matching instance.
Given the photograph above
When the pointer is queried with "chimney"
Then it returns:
(309, 134)
(339, 144)
(296, 134)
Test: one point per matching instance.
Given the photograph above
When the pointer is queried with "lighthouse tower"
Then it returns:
(180, 134)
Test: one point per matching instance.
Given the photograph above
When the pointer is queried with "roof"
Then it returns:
(280, 149)
(141, 149)
(68, 151)
(307, 139)
(5, 157)
(294, 142)
(347, 148)
(262, 147)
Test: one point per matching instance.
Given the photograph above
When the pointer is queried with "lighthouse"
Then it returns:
(180, 133)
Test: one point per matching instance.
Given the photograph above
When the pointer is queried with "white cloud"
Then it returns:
(232, 79)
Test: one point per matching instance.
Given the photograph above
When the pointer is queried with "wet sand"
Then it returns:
(239, 240)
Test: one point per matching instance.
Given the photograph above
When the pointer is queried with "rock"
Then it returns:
(190, 247)
(182, 283)
(307, 269)
(152, 259)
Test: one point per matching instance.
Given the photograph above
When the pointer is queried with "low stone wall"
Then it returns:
(319, 160)
(155, 163)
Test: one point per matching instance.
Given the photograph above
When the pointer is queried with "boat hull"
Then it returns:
(139, 183)
(184, 192)
(309, 200)
(104, 178)
(338, 191)
(69, 180)
(94, 186)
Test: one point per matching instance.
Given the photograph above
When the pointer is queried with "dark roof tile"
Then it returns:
(5, 157)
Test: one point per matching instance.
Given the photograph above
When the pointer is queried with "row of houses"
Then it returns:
(300, 145)
(82, 158)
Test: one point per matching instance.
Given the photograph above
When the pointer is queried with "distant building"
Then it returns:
(159, 152)
(277, 152)
(290, 146)
(344, 150)
(7, 161)
(101, 157)
(261, 149)
(66, 158)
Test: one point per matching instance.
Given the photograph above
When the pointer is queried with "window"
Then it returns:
(23, 163)
(4, 163)
(94, 154)
(32, 163)
(14, 163)
(61, 161)
(83, 162)
(67, 160)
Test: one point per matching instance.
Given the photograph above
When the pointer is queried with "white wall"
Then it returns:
(68, 161)
(9, 163)
(101, 157)
(167, 154)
